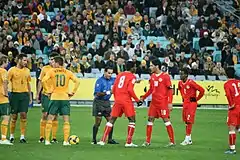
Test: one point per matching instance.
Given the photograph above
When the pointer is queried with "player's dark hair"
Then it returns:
(53, 54)
(3, 60)
(59, 60)
(185, 71)
(21, 56)
(156, 62)
(230, 72)
(130, 65)
(107, 68)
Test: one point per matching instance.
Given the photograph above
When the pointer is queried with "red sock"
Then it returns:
(131, 129)
(170, 131)
(107, 130)
(232, 139)
(149, 132)
(188, 129)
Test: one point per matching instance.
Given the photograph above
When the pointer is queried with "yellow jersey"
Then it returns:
(19, 79)
(3, 77)
(60, 78)
(43, 73)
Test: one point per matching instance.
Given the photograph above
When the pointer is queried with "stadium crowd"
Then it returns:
(95, 33)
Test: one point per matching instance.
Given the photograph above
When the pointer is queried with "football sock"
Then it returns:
(48, 130)
(232, 139)
(110, 134)
(4, 129)
(95, 131)
(107, 130)
(170, 131)
(149, 132)
(66, 131)
(42, 128)
(23, 124)
(131, 129)
(54, 129)
(188, 132)
(12, 127)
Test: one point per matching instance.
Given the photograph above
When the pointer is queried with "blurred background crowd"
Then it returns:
(202, 35)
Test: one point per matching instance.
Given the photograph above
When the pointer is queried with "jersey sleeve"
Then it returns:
(10, 74)
(4, 76)
(45, 79)
(228, 95)
(28, 76)
(168, 84)
(131, 89)
(199, 88)
(98, 86)
(75, 80)
(150, 90)
(42, 74)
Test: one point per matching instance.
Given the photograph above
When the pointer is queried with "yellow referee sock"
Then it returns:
(66, 131)
(23, 124)
(42, 128)
(54, 129)
(4, 129)
(48, 130)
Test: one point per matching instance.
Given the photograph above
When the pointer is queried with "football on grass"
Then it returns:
(73, 139)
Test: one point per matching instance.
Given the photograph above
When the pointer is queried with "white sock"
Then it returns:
(3, 136)
(11, 136)
(22, 137)
(188, 138)
(238, 129)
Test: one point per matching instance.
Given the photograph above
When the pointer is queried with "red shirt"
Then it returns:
(123, 87)
(160, 88)
(189, 90)
(232, 90)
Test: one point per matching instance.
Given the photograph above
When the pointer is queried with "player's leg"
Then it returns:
(110, 136)
(98, 120)
(53, 109)
(165, 116)
(54, 129)
(232, 122)
(131, 129)
(14, 103)
(23, 109)
(4, 108)
(43, 121)
(65, 112)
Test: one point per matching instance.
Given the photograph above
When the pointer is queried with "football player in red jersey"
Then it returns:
(123, 93)
(188, 89)
(161, 105)
(232, 90)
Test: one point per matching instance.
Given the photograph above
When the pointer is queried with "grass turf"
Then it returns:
(210, 138)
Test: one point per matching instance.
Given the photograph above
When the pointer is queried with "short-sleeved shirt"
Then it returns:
(103, 85)
(44, 71)
(3, 77)
(232, 90)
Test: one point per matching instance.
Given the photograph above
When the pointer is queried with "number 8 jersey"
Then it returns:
(232, 90)
(123, 87)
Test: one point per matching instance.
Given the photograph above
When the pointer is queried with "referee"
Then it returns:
(101, 103)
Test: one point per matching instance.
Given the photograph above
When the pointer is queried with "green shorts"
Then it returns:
(4, 109)
(19, 102)
(61, 107)
(45, 103)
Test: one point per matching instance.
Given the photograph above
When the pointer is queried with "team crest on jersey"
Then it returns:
(160, 80)
(187, 86)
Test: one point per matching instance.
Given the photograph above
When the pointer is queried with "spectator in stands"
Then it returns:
(85, 66)
(185, 47)
(227, 56)
(75, 66)
(99, 63)
(35, 43)
(28, 49)
(120, 66)
(93, 49)
(208, 66)
(205, 41)
(218, 70)
(111, 61)
(130, 51)
(138, 51)
(48, 49)
(123, 54)
(129, 9)
(143, 68)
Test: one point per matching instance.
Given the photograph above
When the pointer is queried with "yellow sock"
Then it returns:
(4, 129)
(12, 126)
(66, 131)
(48, 130)
(54, 129)
(42, 128)
(23, 124)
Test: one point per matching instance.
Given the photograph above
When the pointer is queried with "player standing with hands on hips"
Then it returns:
(161, 105)
(101, 103)
(123, 93)
(232, 90)
(188, 89)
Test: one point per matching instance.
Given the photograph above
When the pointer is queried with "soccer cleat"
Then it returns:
(94, 142)
(112, 141)
(131, 145)
(230, 151)
(41, 140)
(186, 142)
(47, 143)
(66, 143)
(23, 140)
(145, 144)
(170, 144)
(101, 143)
(6, 142)
(11, 140)
(54, 140)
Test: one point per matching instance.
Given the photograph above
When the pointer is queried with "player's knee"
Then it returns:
(150, 119)
(165, 120)
(131, 119)
(6, 118)
(23, 115)
(44, 116)
(55, 118)
(14, 117)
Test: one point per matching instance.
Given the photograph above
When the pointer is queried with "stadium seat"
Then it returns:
(102, 70)
(237, 68)
(56, 10)
(164, 44)
(33, 74)
(177, 77)
(95, 71)
(211, 78)
(89, 45)
(98, 75)
(79, 75)
(187, 55)
(143, 38)
(89, 75)
(99, 36)
(161, 59)
(200, 78)
(51, 14)
(152, 38)
(196, 43)
(139, 59)
(211, 48)
(39, 52)
(162, 38)
(222, 78)
(114, 75)
(145, 76)
(14, 34)
(192, 77)
(217, 56)
(43, 30)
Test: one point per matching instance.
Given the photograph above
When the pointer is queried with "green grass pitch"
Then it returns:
(210, 138)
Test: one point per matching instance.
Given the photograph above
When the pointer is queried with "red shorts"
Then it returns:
(189, 111)
(159, 110)
(125, 107)
(233, 118)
